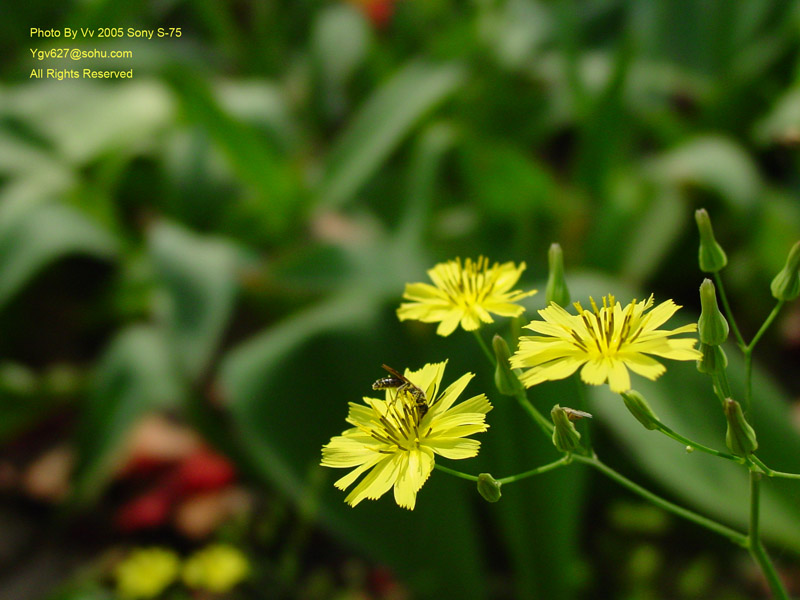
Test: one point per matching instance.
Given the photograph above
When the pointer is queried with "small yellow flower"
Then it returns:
(146, 572)
(605, 341)
(216, 568)
(395, 439)
(464, 294)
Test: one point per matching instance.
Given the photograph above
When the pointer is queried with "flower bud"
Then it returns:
(712, 257)
(557, 290)
(565, 437)
(640, 409)
(714, 360)
(786, 285)
(507, 383)
(740, 437)
(712, 326)
(489, 487)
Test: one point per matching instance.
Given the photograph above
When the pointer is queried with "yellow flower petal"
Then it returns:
(604, 343)
(464, 294)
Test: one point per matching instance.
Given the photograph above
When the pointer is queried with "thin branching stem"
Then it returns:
(754, 545)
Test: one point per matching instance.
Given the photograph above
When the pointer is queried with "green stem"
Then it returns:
(748, 354)
(721, 385)
(482, 343)
(754, 545)
(771, 472)
(586, 430)
(455, 473)
(767, 322)
(687, 442)
(564, 460)
(783, 474)
(733, 535)
(728, 313)
(544, 424)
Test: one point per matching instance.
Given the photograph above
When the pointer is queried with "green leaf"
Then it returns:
(782, 123)
(35, 234)
(136, 374)
(503, 178)
(85, 119)
(198, 277)
(715, 163)
(653, 234)
(269, 175)
(339, 41)
(387, 117)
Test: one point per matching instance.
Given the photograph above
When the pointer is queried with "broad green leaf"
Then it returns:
(776, 231)
(198, 278)
(84, 119)
(381, 124)
(137, 373)
(33, 235)
(653, 234)
(715, 163)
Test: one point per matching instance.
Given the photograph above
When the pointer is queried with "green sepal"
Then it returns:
(557, 290)
(714, 361)
(740, 437)
(565, 437)
(786, 285)
(711, 256)
(506, 381)
(489, 487)
(712, 327)
(640, 409)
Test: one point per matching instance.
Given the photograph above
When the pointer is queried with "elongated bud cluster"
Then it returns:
(565, 437)
(714, 360)
(557, 290)
(489, 487)
(640, 409)
(711, 256)
(786, 285)
(507, 383)
(740, 437)
(712, 327)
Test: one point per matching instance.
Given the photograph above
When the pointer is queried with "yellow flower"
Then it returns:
(464, 295)
(146, 572)
(216, 568)
(395, 439)
(606, 341)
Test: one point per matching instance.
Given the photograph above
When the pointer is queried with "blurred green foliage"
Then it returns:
(227, 236)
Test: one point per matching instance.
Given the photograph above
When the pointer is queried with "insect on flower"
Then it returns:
(403, 386)
(576, 415)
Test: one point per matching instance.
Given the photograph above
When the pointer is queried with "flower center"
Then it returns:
(471, 284)
(605, 336)
(400, 423)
